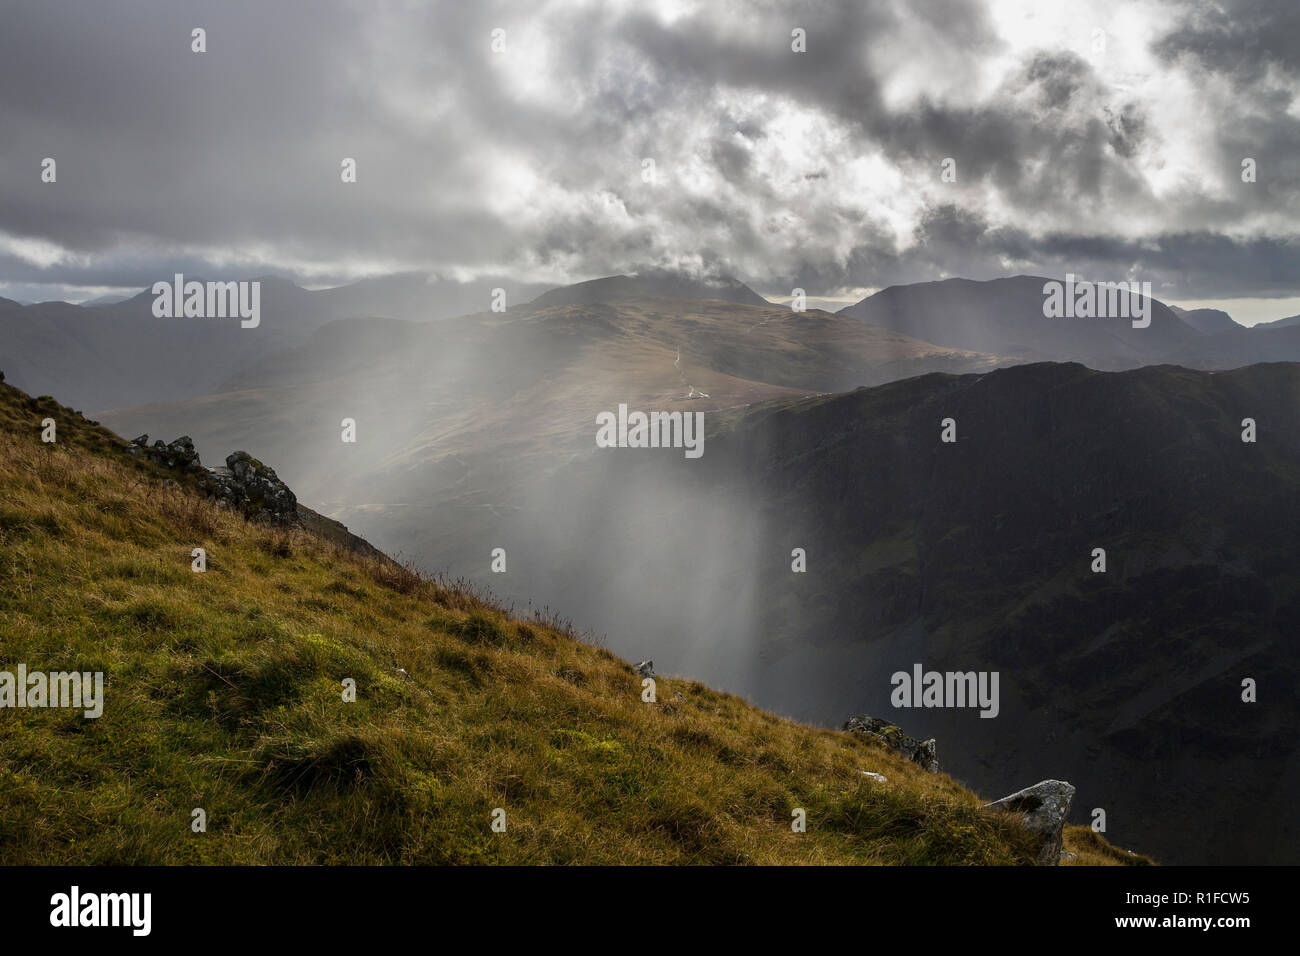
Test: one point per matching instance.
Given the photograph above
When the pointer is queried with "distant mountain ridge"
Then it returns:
(104, 356)
(119, 355)
(1209, 321)
(1289, 322)
(1006, 317)
(648, 284)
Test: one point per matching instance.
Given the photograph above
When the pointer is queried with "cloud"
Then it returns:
(819, 169)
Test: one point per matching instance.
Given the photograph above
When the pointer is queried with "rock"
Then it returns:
(142, 441)
(645, 669)
(181, 454)
(1044, 807)
(1068, 857)
(245, 467)
(923, 752)
(258, 489)
(878, 777)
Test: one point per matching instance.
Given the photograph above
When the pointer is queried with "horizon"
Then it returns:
(1245, 311)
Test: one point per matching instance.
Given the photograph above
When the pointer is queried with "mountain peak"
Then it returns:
(1007, 316)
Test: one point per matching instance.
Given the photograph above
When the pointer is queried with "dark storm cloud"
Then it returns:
(1240, 38)
(818, 169)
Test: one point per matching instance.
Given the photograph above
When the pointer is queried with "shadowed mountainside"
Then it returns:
(1005, 316)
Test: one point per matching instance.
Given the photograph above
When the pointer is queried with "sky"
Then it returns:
(1105, 139)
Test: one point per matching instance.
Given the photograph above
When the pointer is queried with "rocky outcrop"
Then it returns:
(1043, 807)
(179, 455)
(245, 484)
(921, 752)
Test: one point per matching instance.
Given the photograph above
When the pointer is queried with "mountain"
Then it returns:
(116, 354)
(1209, 321)
(417, 297)
(1289, 322)
(1006, 317)
(650, 284)
(121, 354)
(1240, 347)
(465, 415)
(104, 300)
(973, 556)
(224, 702)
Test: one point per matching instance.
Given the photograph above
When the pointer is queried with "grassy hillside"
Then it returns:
(223, 691)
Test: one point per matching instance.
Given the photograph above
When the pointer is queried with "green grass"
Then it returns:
(224, 692)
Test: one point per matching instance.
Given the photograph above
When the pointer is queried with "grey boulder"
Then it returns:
(1044, 807)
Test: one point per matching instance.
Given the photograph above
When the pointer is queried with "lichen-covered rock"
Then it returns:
(255, 488)
(1044, 807)
(923, 752)
(182, 454)
(179, 455)
(645, 669)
